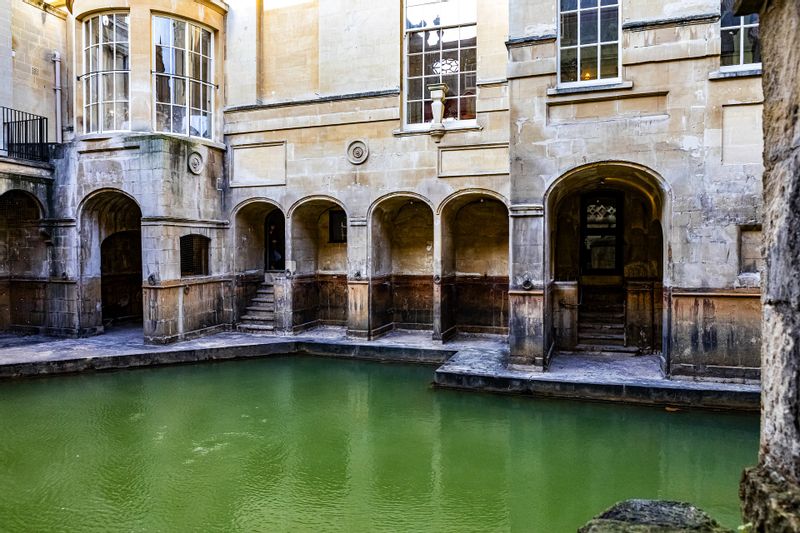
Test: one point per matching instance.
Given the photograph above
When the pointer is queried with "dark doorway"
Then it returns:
(275, 241)
(121, 277)
(601, 234)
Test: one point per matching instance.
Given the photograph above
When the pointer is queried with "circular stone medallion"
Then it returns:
(357, 152)
(196, 163)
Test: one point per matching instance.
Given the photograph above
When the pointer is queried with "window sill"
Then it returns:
(751, 71)
(105, 136)
(425, 129)
(590, 88)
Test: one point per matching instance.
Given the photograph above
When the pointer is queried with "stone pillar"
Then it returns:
(771, 491)
(526, 287)
(357, 279)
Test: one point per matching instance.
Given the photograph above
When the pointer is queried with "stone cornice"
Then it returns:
(641, 25)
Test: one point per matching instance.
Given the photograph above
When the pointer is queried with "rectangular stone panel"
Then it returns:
(256, 165)
(742, 136)
(473, 161)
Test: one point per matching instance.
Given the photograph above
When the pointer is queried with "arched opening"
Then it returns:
(401, 272)
(111, 261)
(260, 240)
(474, 284)
(24, 267)
(606, 260)
(318, 260)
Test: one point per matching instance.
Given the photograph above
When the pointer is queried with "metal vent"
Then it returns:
(194, 255)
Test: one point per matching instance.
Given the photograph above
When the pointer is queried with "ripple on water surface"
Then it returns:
(302, 443)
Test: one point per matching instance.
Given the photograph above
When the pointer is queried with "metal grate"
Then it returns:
(194, 255)
(23, 135)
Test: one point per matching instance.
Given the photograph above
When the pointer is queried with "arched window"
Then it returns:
(106, 73)
(194, 255)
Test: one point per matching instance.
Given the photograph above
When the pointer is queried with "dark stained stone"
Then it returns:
(652, 516)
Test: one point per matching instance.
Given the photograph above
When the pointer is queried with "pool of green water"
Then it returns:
(297, 443)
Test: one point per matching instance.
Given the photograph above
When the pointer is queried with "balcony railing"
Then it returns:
(23, 135)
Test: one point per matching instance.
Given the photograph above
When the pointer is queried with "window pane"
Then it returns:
(427, 112)
(451, 108)
(588, 3)
(468, 60)
(163, 59)
(729, 53)
(107, 57)
(608, 2)
(121, 57)
(162, 117)
(588, 63)
(162, 31)
(450, 39)
(728, 19)
(609, 61)
(180, 62)
(452, 85)
(569, 65)
(414, 112)
(162, 89)
(468, 87)
(198, 123)
(589, 26)
(94, 59)
(179, 34)
(207, 97)
(432, 41)
(415, 41)
(568, 5)
(93, 118)
(569, 29)
(121, 87)
(107, 28)
(205, 39)
(205, 73)
(430, 80)
(108, 87)
(430, 61)
(95, 30)
(609, 24)
(467, 108)
(179, 120)
(194, 39)
(179, 91)
(469, 36)
(751, 19)
(94, 89)
(415, 65)
(108, 117)
(752, 45)
(414, 89)
(122, 29)
(122, 118)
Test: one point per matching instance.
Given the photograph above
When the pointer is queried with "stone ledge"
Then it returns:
(653, 516)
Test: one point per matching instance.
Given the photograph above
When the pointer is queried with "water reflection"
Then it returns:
(288, 444)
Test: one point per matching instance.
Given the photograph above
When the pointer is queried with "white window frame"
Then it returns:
(212, 86)
(741, 65)
(589, 83)
(449, 122)
(87, 76)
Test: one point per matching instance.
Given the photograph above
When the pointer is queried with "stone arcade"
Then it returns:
(576, 178)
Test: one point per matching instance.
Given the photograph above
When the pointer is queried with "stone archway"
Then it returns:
(605, 269)
(401, 264)
(111, 261)
(24, 266)
(475, 267)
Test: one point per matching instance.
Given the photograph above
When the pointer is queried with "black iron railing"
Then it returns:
(23, 135)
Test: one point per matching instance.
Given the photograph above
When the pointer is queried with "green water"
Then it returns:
(316, 444)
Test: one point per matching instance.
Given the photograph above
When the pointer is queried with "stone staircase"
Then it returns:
(260, 316)
(601, 321)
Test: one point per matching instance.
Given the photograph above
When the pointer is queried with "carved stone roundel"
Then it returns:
(196, 163)
(357, 152)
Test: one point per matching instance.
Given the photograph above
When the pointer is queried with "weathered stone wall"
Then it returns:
(771, 492)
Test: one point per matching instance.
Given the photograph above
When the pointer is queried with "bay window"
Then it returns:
(183, 70)
(588, 41)
(441, 38)
(106, 73)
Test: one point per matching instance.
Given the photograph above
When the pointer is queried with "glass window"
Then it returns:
(106, 73)
(441, 40)
(588, 40)
(740, 42)
(184, 81)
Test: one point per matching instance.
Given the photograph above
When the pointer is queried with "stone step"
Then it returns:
(256, 328)
(606, 348)
(270, 292)
(263, 300)
(261, 314)
(257, 319)
(602, 340)
(601, 326)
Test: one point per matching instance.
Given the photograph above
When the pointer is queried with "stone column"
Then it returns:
(771, 491)
(526, 286)
(357, 279)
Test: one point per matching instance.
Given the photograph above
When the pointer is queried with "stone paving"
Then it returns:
(476, 362)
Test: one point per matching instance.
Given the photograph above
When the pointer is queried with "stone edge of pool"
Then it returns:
(470, 369)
